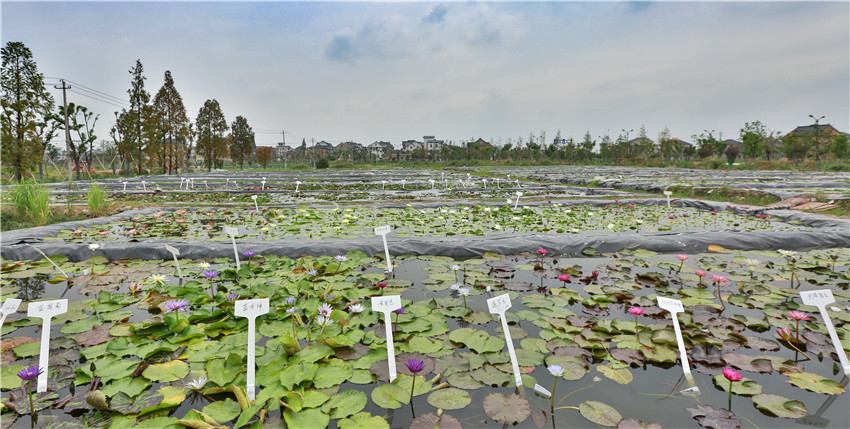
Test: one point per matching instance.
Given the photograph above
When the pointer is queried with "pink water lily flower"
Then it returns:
(798, 315)
(701, 273)
(682, 257)
(542, 252)
(732, 375)
(635, 311)
(717, 278)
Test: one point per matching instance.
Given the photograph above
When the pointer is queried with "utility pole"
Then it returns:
(67, 131)
(817, 138)
(313, 154)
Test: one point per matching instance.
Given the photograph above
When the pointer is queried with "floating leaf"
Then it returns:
(432, 421)
(223, 411)
(815, 383)
(622, 376)
(716, 418)
(633, 423)
(335, 372)
(345, 403)
(779, 406)
(600, 413)
(169, 371)
(512, 409)
(363, 420)
(744, 387)
(127, 405)
(390, 396)
(449, 399)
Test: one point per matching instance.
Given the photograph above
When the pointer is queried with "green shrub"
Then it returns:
(322, 163)
(96, 198)
(342, 165)
(31, 201)
(299, 167)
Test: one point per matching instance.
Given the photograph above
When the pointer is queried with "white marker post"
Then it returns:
(668, 193)
(125, 186)
(193, 183)
(231, 231)
(50, 260)
(251, 308)
(174, 252)
(516, 203)
(498, 305)
(256, 207)
(675, 306)
(383, 231)
(484, 181)
(386, 304)
(431, 181)
(297, 184)
(402, 183)
(205, 185)
(46, 310)
(263, 184)
(9, 306)
(143, 186)
(383, 184)
(819, 299)
(181, 184)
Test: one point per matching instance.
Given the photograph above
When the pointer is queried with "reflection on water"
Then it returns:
(31, 288)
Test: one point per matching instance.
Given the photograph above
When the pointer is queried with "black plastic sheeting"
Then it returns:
(825, 233)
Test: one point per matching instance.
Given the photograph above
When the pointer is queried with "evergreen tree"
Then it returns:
(210, 127)
(25, 102)
(175, 125)
(139, 99)
(241, 141)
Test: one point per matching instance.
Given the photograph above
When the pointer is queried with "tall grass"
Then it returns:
(31, 202)
(96, 198)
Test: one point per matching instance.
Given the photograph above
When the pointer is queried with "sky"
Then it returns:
(393, 71)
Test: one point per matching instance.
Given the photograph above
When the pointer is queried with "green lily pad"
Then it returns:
(363, 420)
(744, 387)
(223, 411)
(477, 340)
(335, 372)
(511, 410)
(345, 403)
(600, 413)
(294, 375)
(815, 383)
(779, 406)
(390, 396)
(169, 371)
(450, 399)
(127, 405)
(9, 377)
(622, 376)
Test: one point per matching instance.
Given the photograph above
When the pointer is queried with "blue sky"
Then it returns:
(395, 71)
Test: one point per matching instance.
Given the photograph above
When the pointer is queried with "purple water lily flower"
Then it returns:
(178, 305)
(415, 365)
(232, 296)
(30, 373)
(290, 300)
(248, 254)
(210, 274)
(399, 311)
(340, 258)
(313, 272)
(290, 310)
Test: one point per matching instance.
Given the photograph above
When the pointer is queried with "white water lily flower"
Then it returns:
(204, 265)
(610, 226)
(463, 291)
(497, 227)
(454, 286)
(753, 263)
(94, 246)
(197, 384)
(158, 279)
(556, 370)
(787, 253)
(638, 221)
(324, 321)
(355, 308)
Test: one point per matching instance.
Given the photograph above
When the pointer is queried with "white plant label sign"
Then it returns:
(667, 194)
(820, 299)
(498, 305)
(251, 308)
(45, 310)
(516, 203)
(9, 306)
(431, 181)
(386, 305)
(174, 253)
(297, 184)
(675, 306)
(143, 186)
(256, 207)
(231, 231)
(383, 231)
(125, 186)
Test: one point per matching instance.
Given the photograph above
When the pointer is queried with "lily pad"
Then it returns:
(390, 396)
(450, 398)
(510, 410)
(363, 420)
(622, 376)
(169, 371)
(345, 403)
(223, 411)
(744, 387)
(432, 421)
(600, 413)
(815, 383)
(779, 406)
(716, 418)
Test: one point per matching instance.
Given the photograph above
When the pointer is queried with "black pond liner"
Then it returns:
(825, 233)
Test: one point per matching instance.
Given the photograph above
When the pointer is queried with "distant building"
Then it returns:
(323, 149)
(380, 149)
(280, 151)
(349, 150)
(824, 130)
(411, 145)
(432, 144)
(479, 144)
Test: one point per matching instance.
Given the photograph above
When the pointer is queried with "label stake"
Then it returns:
(383, 231)
(498, 305)
(251, 308)
(231, 231)
(675, 306)
(45, 310)
(386, 304)
(174, 252)
(819, 299)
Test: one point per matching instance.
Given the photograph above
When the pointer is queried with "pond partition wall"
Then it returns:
(453, 312)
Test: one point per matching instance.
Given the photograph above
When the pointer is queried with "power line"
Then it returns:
(98, 99)
(105, 95)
